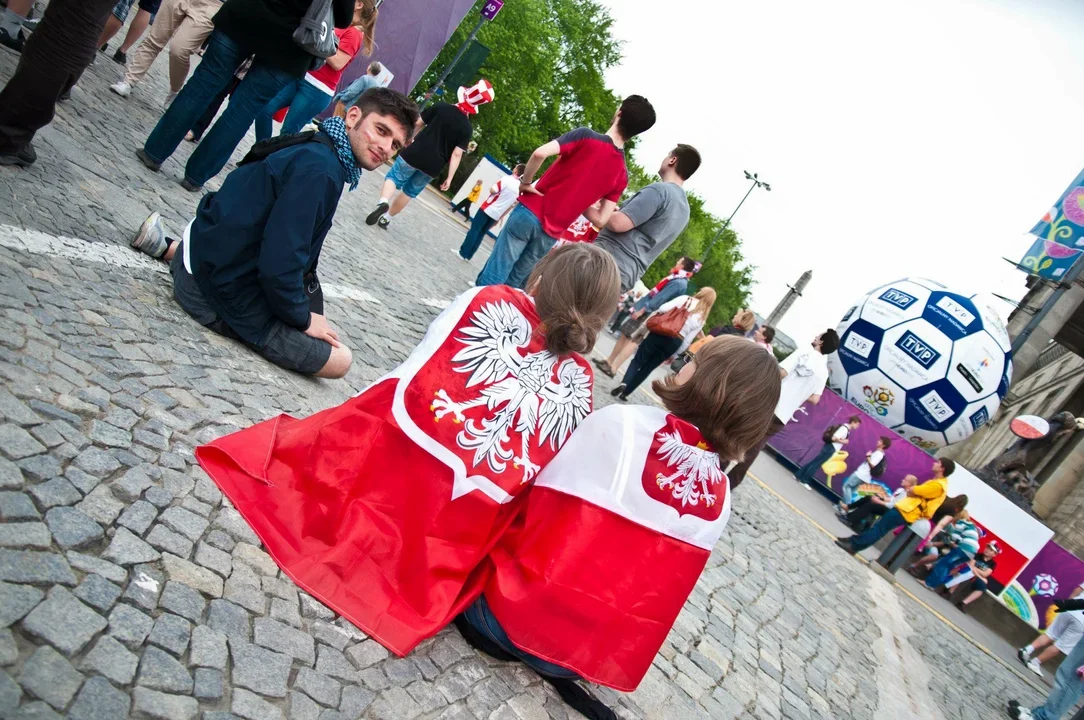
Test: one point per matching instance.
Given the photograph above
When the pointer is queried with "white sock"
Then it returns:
(386, 200)
(387, 217)
(1028, 649)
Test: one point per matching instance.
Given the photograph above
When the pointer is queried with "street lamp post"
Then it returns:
(489, 12)
(757, 182)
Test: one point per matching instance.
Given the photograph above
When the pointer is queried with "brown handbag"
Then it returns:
(669, 323)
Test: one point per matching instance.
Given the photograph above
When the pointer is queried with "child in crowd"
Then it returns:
(384, 507)
(620, 525)
(864, 473)
(463, 206)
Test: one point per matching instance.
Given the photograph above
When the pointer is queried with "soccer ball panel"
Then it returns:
(928, 440)
(858, 347)
(978, 365)
(877, 395)
(954, 315)
(934, 406)
(895, 303)
(914, 354)
(972, 418)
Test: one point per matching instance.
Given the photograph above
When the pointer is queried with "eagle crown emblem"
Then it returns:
(696, 470)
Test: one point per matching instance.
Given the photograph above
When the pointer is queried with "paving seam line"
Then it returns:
(1039, 688)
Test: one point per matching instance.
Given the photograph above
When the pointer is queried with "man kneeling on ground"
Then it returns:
(241, 267)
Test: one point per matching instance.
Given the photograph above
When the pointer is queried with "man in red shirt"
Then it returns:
(590, 167)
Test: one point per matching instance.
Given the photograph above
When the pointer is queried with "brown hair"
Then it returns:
(951, 507)
(768, 332)
(575, 289)
(745, 320)
(368, 14)
(688, 160)
(375, 68)
(731, 396)
(702, 302)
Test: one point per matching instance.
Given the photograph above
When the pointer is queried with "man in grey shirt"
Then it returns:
(651, 219)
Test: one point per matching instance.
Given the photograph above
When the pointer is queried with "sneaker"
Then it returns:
(170, 97)
(121, 88)
(104, 48)
(618, 390)
(31, 25)
(151, 164)
(383, 223)
(460, 256)
(16, 42)
(808, 487)
(845, 544)
(378, 213)
(120, 57)
(151, 238)
(962, 608)
(23, 158)
(1034, 666)
(1023, 655)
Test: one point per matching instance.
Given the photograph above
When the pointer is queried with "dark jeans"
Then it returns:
(738, 473)
(305, 101)
(208, 115)
(212, 75)
(479, 226)
(463, 207)
(652, 352)
(888, 522)
(862, 509)
(52, 61)
(810, 468)
(484, 621)
(519, 247)
(942, 569)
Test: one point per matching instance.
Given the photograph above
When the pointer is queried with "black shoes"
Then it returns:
(25, 157)
(190, 186)
(120, 57)
(619, 390)
(845, 545)
(16, 42)
(145, 159)
(376, 214)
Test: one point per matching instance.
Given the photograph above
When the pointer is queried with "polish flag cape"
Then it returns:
(614, 536)
(385, 507)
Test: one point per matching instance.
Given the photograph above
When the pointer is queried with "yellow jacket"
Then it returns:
(475, 192)
(924, 500)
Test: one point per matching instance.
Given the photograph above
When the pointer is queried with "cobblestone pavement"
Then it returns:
(128, 586)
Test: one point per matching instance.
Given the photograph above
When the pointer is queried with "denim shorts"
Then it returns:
(410, 180)
(285, 346)
(123, 7)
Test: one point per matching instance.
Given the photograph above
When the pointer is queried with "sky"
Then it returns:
(900, 139)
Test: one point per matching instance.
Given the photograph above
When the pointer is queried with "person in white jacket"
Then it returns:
(656, 348)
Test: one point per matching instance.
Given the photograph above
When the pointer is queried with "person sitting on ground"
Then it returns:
(501, 200)
(348, 96)
(877, 505)
(864, 472)
(240, 269)
(921, 502)
(590, 581)
(590, 167)
(804, 373)
(440, 139)
(1062, 635)
(633, 331)
(472, 197)
(962, 544)
(651, 220)
(835, 439)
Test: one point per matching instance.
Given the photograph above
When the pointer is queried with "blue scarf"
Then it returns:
(335, 128)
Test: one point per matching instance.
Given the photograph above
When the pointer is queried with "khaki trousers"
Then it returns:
(184, 24)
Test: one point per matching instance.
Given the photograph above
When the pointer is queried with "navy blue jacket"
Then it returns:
(253, 241)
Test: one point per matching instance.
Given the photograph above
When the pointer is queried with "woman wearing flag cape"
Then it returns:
(384, 507)
(618, 527)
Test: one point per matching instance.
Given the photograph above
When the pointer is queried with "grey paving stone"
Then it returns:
(16, 411)
(332, 635)
(206, 491)
(286, 612)
(163, 706)
(10, 694)
(131, 485)
(183, 600)
(171, 633)
(302, 707)
(401, 671)
(16, 506)
(252, 707)
(97, 462)
(11, 478)
(146, 587)
(209, 684)
(25, 535)
(355, 700)
(320, 688)
(109, 435)
(47, 675)
(158, 670)
(111, 659)
(247, 596)
(396, 704)
(159, 497)
(72, 529)
(9, 650)
(168, 541)
(230, 619)
(64, 622)
(40, 467)
(208, 648)
(255, 558)
(121, 417)
(231, 522)
(279, 587)
(98, 700)
(129, 625)
(36, 710)
(100, 505)
(218, 715)
(202, 509)
(47, 436)
(16, 443)
(330, 661)
(91, 564)
(55, 492)
(177, 483)
(82, 482)
(192, 575)
(220, 540)
(285, 639)
(138, 516)
(97, 592)
(184, 522)
(260, 670)
(127, 548)
(365, 654)
(213, 558)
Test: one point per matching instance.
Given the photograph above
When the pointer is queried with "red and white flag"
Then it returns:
(614, 536)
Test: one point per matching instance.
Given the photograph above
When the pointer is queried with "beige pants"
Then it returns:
(184, 24)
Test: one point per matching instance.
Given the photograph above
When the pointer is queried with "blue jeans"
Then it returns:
(888, 522)
(479, 226)
(850, 487)
(305, 101)
(810, 468)
(484, 621)
(1067, 687)
(407, 178)
(940, 573)
(520, 246)
(221, 59)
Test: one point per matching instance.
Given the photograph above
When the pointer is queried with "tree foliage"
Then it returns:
(547, 63)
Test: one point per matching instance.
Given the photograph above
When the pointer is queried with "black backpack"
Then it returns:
(827, 437)
(878, 470)
(271, 145)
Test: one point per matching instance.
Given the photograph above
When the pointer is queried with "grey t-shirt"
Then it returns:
(659, 212)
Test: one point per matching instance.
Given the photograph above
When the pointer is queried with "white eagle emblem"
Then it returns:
(518, 391)
(697, 470)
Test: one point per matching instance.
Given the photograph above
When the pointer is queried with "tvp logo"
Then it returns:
(979, 418)
(918, 349)
(898, 298)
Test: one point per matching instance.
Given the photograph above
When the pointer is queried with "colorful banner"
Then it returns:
(1049, 259)
(1052, 575)
(1059, 235)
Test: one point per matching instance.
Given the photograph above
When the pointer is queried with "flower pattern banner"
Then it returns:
(1059, 235)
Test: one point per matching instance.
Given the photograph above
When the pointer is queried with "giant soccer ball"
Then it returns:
(931, 364)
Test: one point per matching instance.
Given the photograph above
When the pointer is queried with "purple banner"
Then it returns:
(1052, 575)
(491, 8)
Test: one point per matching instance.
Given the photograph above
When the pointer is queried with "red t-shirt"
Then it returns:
(590, 167)
(349, 43)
